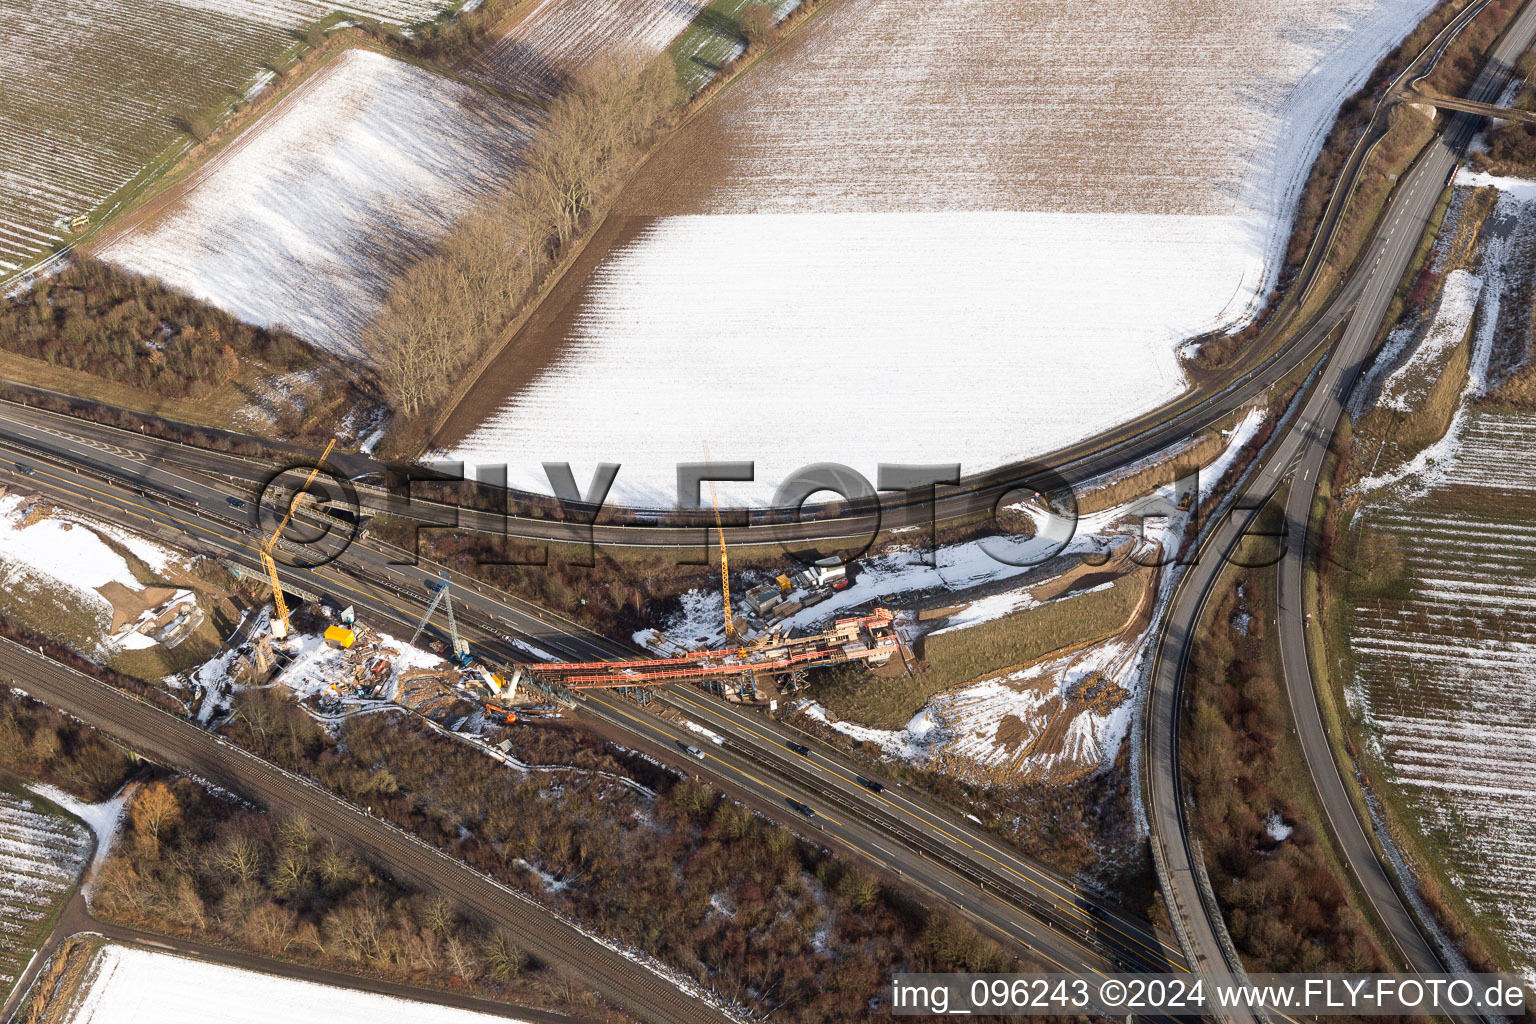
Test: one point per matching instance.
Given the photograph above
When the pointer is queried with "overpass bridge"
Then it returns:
(1466, 106)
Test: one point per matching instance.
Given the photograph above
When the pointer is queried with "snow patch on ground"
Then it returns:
(549, 881)
(708, 734)
(136, 986)
(1276, 828)
(1407, 385)
(104, 818)
(61, 549)
(911, 743)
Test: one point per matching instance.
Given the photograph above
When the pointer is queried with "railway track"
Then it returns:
(168, 740)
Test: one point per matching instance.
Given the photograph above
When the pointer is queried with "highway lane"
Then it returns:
(393, 595)
(1322, 419)
(173, 741)
(839, 823)
(1295, 457)
(903, 811)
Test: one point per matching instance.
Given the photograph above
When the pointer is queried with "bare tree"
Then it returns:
(451, 306)
(154, 809)
(758, 23)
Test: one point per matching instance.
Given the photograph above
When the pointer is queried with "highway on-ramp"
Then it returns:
(1294, 459)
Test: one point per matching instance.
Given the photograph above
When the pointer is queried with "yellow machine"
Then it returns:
(725, 565)
(279, 625)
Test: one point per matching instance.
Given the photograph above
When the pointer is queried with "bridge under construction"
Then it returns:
(738, 670)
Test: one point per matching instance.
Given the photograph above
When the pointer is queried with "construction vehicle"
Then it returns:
(279, 625)
(458, 652)
(725, 562)
(497, 713)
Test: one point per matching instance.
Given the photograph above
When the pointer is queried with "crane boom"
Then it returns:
(294, 504)
(725, 564)
(459, 644)
(280, 628)
(438, 590)
(440, 595)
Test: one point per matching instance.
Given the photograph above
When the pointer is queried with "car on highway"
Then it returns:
(870, 784)
(803, 808)
(799, 748)
(692, 751)
(235, 503)
(25, 470)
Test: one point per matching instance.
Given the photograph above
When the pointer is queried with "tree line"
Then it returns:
(107, 322)
(452, 305)
(696, 880)
(37, 742)
(202, 866)
(1286, 908)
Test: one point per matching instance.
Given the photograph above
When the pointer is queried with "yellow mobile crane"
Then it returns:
(279, 626)
(725, 564)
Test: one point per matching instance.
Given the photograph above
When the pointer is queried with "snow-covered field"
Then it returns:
(301, 221)
(41, 854)
(862, 338)
(93, 92)
(559, 38)
(136, 986)
(957, 231)
(1443, 678)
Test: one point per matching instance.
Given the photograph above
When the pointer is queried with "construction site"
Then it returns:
(341, 665)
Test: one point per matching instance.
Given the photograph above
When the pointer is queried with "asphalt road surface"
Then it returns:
(1294, 459)
(1320, 421)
